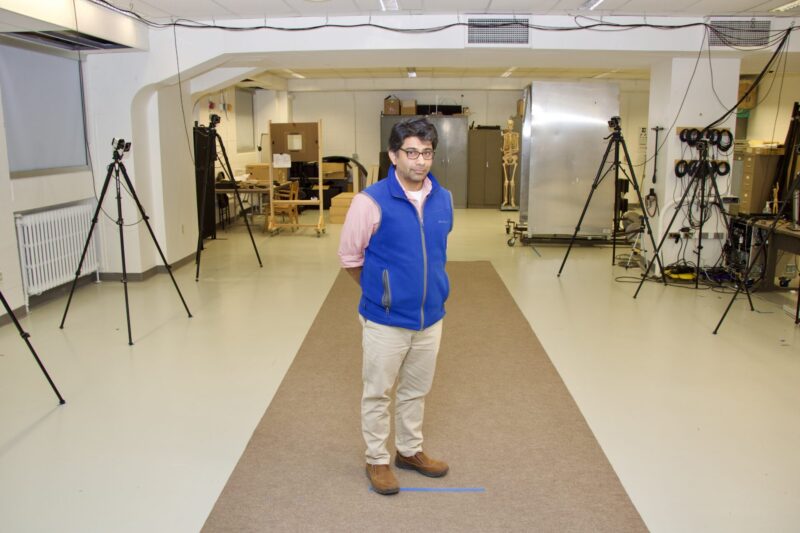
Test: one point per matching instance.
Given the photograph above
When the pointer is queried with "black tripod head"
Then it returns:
(615, 124)
(120, 147)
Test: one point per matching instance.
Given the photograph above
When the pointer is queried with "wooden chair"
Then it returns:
(284, 208)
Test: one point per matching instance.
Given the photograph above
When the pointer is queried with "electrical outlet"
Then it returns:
(716, 235)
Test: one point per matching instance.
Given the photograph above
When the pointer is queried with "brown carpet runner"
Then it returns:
(521, 456)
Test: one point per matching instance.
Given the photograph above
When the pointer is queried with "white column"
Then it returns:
(682, 96)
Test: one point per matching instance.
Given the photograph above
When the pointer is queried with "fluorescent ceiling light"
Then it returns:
(389, 5)
(591, 4)
(412, 72)
(508, 72)
(787, 7)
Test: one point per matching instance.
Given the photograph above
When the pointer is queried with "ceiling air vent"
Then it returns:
(488, 31)
(745, 33)
(65, 40)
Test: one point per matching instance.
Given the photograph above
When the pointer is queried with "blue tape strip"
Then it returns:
(440, 489)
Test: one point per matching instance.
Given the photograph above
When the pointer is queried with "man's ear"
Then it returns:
(393, 157)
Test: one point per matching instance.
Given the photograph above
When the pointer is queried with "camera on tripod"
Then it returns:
(614, 123)
(213, 120)
(120, 144)
(120, 147)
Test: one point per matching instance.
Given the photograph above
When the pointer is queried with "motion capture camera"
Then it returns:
(213, 120)
(614, 123)
(120, 147)
(120, 144)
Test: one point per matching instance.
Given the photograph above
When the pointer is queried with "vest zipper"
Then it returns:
(424, 262)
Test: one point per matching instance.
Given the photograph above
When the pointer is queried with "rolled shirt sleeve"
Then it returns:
(362, 221)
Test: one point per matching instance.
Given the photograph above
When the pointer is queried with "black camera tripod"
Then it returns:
(114, 169)
(615, 141)
(209, 136)
(761, 249)
(703, 172)
(26, 337)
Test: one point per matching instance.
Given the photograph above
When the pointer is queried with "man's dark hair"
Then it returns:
(416, 127)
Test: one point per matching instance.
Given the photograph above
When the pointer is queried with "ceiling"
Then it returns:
(446, 64)
(259, 9)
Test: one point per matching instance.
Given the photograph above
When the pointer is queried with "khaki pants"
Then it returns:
(409, 358)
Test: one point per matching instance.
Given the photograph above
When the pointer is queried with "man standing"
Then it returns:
(394, 244)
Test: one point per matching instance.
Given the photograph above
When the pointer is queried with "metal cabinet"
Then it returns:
(485, 175)
(450, 162)
(759, 166)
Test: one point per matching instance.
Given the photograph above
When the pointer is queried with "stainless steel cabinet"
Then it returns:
(450, 162)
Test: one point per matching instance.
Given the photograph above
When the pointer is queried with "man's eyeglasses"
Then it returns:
(414, 154)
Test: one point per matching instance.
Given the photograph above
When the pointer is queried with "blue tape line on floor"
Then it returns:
(442, 489)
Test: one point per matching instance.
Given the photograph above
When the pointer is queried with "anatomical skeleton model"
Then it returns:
(510, 160)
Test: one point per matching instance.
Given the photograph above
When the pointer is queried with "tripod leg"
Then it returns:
(239, 198)
(718, 197)
(797, 310)
(664, 236)
(616, 138)
(703, 210)
(153, 235)
(211, 151)
(595, 183)
(632, 179)
(26, 337)
(88, 240)
(120, 225)
(761, 249)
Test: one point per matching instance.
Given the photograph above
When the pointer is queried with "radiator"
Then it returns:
(50, 246)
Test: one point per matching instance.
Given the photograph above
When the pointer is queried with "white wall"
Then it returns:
(11, 282)
(670, 83)
(224, 106)
(269, 106)
(769, 122)
(174, 195)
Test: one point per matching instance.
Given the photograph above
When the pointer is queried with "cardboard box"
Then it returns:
(333, 171)
(342, 199)
(752, 98)
(260, 172)
(391, 105)
(408, 107)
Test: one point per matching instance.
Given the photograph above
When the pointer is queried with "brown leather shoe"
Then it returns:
(382, 479)
(422, 464)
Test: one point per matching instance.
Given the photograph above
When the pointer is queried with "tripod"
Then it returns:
(615, 141)
(114, 169)
(210, 136)
(703, 172)
(25, 337)
(743, 282)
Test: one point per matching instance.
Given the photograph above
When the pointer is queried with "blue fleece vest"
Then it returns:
(403, 281)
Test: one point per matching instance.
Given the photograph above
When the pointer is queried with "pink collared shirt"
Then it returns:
(362, 221)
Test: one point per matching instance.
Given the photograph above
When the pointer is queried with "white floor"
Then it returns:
(703, 430)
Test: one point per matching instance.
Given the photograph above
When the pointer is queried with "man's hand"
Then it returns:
(355, 273)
